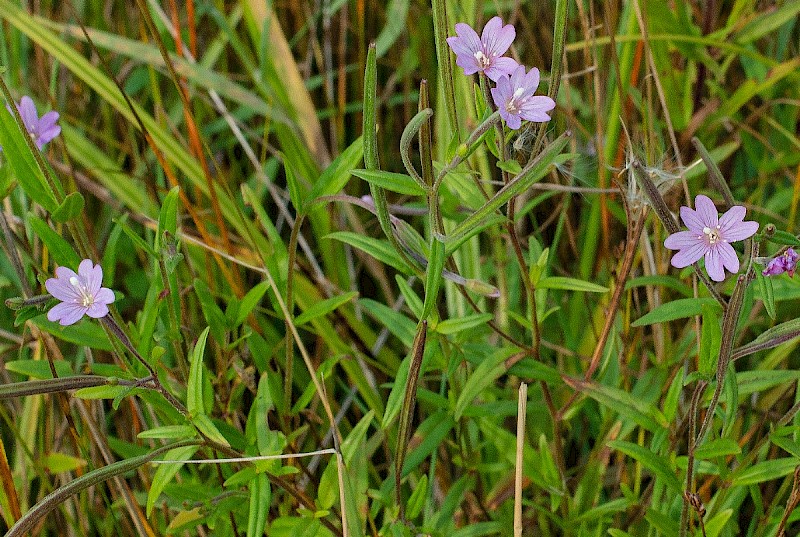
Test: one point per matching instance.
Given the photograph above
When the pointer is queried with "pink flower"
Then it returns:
(515, 99)
(43, 129)
(484, 53)
(710, 236)
(80, 293)
(783, 263)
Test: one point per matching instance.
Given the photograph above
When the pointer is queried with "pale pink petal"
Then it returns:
(501, 94)
(104, 296)
(28, 112)
(62, 289)
(687, 256)
(714, 265)
(66, 313)
(740, 231)
(732, 216)
(531, 81)
(468, 63)
(97, 310)
(692, 220)
(91, 274)
(517, 78)
(512, 120)
(500, 67)
(706, 210)
(681, 240)
(461, 47)
(48, 120)
(536, 108)
(469, 38)
(496, 38)
(64, 273)
(728, 255)
(47, 136)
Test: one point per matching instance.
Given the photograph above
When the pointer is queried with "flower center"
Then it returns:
(482, 59)
(712, 234)
(86, 298)
(514, 103)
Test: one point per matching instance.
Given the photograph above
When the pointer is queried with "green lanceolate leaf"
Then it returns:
(642, 413)
(677, 309)
(335, 176)
(433, 277)
(194, 388)
(69, 209)
(166, 472)
(651, 461)
(63, 253)
(168, 216)
(570, 284)
(394, 182)
(321, 309)
(380, 250)
(532, 172)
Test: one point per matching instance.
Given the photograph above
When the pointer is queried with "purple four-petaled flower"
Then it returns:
(484, 53)
(80, 294)
(782, 263)
(42, 129)
(515, 99)
(710, 236)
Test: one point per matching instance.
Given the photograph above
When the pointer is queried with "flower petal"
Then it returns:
(517, 78)
(28, 112)
(469, 38)
(682, 240)
(501, 94)
(531, 81)
(62, 290)
(460, 46)
(536, 108)
(91, 275)
(104, 296)
(47, 136)
(692, 220)
(61, 287)
(729, 258)
(706, 210)
(468, 64)
(512, 120)
(97, 310)
(732, 216)
(740, 231)
(775, 266)
(48, 120)
(500, 67)
(66, 313)
(496, 38)
(687, 256)
(714, 265)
